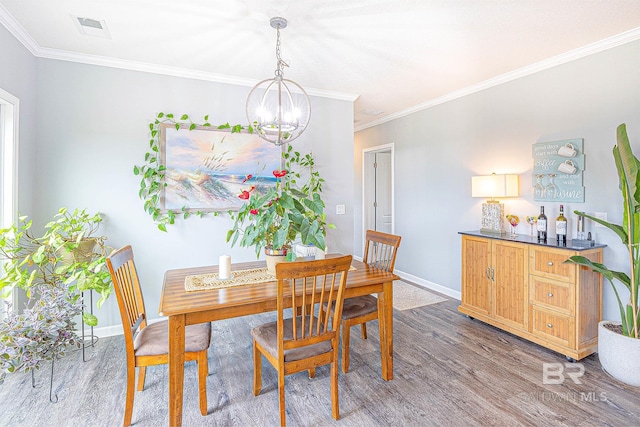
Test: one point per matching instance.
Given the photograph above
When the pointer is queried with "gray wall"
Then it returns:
(18, 77)
(92, 128)
(439, 149)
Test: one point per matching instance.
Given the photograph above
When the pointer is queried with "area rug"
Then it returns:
(406, 296)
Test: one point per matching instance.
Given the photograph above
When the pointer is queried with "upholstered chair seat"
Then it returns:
(154, 339)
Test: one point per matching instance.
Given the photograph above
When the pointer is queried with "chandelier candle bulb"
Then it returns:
(224, 269)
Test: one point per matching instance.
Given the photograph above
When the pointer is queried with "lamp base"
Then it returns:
(493, 218)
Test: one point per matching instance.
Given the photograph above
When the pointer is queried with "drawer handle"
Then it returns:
(549, 325)
(549, 294)
(550, 263)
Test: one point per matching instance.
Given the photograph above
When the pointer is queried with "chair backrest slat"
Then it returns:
(380, 250)
(307, 285)
(127, 287)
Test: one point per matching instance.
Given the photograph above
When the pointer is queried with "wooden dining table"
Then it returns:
(191, 307)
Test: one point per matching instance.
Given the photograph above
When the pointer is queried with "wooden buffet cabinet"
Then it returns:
(525, 288)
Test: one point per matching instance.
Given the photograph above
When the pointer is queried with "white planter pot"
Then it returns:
(619, 355)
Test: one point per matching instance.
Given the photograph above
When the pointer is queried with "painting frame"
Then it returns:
(206, 168)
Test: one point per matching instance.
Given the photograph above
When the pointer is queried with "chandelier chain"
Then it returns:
(280, 63)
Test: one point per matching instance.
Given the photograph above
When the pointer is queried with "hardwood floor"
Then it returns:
(449, 371)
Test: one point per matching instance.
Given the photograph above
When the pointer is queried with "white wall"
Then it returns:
(439, 149)
(93, 128)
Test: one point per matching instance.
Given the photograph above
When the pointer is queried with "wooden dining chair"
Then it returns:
(380, 252)
(148, 344)
(312, 338)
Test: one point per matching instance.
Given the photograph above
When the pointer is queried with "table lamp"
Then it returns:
(492, 187)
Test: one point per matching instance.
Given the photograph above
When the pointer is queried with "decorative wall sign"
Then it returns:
(557, 171)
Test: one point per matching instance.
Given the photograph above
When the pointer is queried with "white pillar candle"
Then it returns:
(224, 267)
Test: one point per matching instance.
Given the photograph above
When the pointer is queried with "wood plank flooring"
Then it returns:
(449, 371)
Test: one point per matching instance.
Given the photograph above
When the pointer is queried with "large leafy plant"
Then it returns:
(290, 210)
(37, 261)
(628, 167)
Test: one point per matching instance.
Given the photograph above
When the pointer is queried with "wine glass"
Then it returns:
(532, 220)
(551, 188)
(538, 188)
(514, 221)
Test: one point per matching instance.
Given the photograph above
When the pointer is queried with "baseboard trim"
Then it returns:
(425, 283)
(430, 285)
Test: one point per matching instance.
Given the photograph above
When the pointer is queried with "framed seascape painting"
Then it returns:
(206, 169)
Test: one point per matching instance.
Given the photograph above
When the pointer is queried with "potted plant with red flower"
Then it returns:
(286, 212)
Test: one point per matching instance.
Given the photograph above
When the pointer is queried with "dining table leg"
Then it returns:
(386, 323)
(176, 368)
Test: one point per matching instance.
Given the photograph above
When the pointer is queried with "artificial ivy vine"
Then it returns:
(153, 172)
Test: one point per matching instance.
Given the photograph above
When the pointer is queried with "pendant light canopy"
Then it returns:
(277, 108)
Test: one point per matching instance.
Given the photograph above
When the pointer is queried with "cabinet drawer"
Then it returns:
(551, 326)
(550, 263)
(554, 295)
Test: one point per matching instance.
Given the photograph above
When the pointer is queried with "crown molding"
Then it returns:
(14, 27)
(590, 49)
(167, 70)
(9, 22)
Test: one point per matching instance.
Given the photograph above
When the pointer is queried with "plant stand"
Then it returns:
(91, 337)
(51, 394)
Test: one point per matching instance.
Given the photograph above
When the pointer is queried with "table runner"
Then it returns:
(201, 282)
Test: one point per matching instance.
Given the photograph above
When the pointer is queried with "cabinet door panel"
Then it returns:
(510, 283)
(476, 285)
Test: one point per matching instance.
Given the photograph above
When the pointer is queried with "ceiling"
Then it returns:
(391, 57)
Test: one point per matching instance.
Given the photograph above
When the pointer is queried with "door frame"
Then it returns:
(372, 150)
(9, 108)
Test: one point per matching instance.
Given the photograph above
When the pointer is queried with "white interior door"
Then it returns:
(382, 204)
(377, 190)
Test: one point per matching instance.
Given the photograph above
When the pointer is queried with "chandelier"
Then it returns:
(278, 109)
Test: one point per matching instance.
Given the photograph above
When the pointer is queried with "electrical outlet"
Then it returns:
(340, 210)
(602, 216)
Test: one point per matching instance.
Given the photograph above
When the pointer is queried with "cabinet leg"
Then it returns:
(570, 359)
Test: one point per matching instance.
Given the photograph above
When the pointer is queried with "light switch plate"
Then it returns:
(340, 210)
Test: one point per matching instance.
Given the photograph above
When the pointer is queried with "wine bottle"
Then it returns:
(561, 228)
(542, 226)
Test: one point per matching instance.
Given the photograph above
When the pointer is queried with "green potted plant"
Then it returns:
(56, 258)
(619, 342)
(274, 220)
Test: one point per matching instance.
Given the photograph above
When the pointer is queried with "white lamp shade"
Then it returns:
(492, 186)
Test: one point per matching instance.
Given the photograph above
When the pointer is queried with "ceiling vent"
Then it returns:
(91, 27)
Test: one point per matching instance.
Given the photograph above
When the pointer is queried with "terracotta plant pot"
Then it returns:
(619, 355)
(273, 257)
